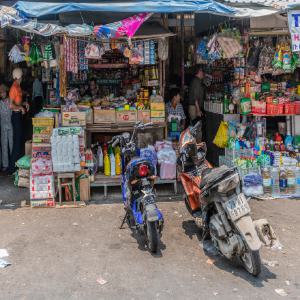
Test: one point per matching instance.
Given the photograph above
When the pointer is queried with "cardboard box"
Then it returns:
(73, 119)
(158, 120)
(126, 116)
(104, 115)
(144, 116)
(157, 106)
(88, 111)
(157, 113)
(28, 148)
(84, 187)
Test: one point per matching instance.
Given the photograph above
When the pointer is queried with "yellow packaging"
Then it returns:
(158, 120)
(118, 163)
(157, 106)
(157, 113)
(106, 165)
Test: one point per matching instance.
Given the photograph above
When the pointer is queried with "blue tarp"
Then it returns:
(38, 9)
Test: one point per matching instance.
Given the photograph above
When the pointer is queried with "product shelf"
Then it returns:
(266, 115)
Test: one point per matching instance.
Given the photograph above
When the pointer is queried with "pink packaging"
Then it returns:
(167, 170)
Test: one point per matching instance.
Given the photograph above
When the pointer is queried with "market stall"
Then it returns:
(96, 87)
(253, 94)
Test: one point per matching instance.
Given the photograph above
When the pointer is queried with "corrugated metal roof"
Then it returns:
(272, 3)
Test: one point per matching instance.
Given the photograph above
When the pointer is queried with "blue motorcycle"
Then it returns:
(138, 177)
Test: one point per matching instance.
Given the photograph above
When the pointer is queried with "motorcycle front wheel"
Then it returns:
(251, 261)
(152, 236)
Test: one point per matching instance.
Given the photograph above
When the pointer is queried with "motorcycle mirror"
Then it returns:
(126, 136)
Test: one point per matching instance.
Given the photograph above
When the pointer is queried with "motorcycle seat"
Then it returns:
(211, 175)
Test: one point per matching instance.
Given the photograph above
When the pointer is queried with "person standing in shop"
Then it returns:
(6, 128)
(196, 99)
(18, 110)
(175, 114)
(37, 96)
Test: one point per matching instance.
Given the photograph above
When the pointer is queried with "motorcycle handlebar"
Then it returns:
(115, 142)
(195, 128)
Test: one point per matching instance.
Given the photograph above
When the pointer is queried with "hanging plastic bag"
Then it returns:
(92, 51)
(163, 49)
(221, 137)
(35, 55)
(277, 61)
(16, 55)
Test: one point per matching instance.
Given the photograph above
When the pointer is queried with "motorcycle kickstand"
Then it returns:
(124, 219)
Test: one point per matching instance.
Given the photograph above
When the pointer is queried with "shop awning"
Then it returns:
(38, 9)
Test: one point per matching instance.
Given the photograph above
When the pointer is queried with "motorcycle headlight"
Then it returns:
(229, 183)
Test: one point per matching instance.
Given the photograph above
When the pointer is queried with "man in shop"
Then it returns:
(175, 114)
(94, 91)
(6, 128)
(37, 96)
(196, 98)
(18, 110)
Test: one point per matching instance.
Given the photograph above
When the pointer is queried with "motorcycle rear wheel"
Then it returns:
(152, 236)
(251, 261)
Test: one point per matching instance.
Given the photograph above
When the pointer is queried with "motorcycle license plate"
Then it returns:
(237, 207)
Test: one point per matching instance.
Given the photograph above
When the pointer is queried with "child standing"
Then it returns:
(6, 127)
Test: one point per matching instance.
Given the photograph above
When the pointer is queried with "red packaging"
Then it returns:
(289, 108)
(297, 107)
(271, 109)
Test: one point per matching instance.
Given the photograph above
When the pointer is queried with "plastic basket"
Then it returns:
(43, 122)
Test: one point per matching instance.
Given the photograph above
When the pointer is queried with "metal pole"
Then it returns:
(182, 52)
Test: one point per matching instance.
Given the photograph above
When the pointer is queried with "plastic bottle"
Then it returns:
(275, 182)
(112, 161)
(106, 164)
(283, 181)
(291, 181)
(100, 157)
(267, 181)
(298, 182)
(226, 105)
(118, 163)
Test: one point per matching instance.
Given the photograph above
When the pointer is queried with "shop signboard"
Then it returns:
(294, 26)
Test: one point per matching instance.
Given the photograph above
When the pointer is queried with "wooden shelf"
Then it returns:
(118, 127)
(266, 115)
(108, 66)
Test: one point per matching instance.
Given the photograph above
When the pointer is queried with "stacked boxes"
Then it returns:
(157, 112)
(67, 144)
(41, 173)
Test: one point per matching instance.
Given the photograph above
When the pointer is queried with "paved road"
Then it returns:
(61, 253)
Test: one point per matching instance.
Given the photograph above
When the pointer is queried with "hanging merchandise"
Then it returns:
(277, 61)
(265, 60)
(202, 49)
(26, 47)
(62, 74)
(163, 49)
(35, 55)
(137, 54)
(221, 137)
(15, 55)
(287, 59)
(214, 52)
(83, 61)
(49, 52)
(71, 55)
(230, 47)
(253, 54)
(92, 51)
